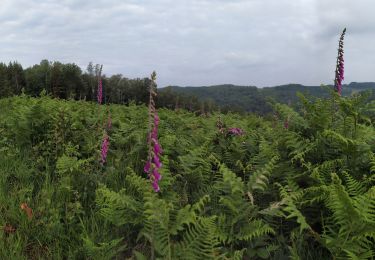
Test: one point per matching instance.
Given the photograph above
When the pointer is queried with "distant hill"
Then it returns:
(253, 99)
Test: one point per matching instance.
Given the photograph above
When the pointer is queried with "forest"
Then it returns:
(69, 81)
(84, 178)
(252, 99)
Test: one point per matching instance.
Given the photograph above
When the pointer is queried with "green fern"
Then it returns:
(289, 198)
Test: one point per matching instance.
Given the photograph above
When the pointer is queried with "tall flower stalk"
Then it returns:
(153, 163)
(105, 140)
(104, 150)
(339, 73)
(286, 123)
(100, 86)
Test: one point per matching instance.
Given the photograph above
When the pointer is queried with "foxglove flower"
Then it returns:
(157, 175)
(105, 141)
(153, 163)
(157, 148)
(104, 150)
(339, 73)
(155, 186)
(156, 161)
(235, 131)
(286, 123)
(147, 166)
(100, 92)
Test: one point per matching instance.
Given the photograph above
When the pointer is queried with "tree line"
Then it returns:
(69, 81)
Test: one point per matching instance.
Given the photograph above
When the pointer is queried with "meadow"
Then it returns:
(295, 185)
(87, 180)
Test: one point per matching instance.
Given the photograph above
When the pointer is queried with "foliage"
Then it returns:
(305, 192)
(259, 100)
(69, 81)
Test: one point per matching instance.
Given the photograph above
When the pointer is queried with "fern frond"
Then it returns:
(288, 199)
(353, 186)
(259, 179)
(199, 241)
(106, 250)
(254, 229)
(118, 208)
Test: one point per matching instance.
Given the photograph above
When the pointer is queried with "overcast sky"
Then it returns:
(195, 42)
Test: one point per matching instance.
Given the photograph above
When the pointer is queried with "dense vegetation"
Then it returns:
(257, 100)
(69, 81)
(300, 185)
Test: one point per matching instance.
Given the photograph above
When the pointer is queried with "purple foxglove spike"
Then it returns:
(104, 150)
(154, 133)
(147, 167)
(100, 91)
(156, 161)
(156, 175)
(154, 147)
(155, 186)
(156, 119)
(157, 149)
(339, 77)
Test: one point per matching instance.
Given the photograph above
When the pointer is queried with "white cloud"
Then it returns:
(196, 42)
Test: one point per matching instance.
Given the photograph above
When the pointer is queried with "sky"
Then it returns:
(195, 42)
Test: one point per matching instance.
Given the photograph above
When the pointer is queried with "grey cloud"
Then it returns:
(196, 42)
